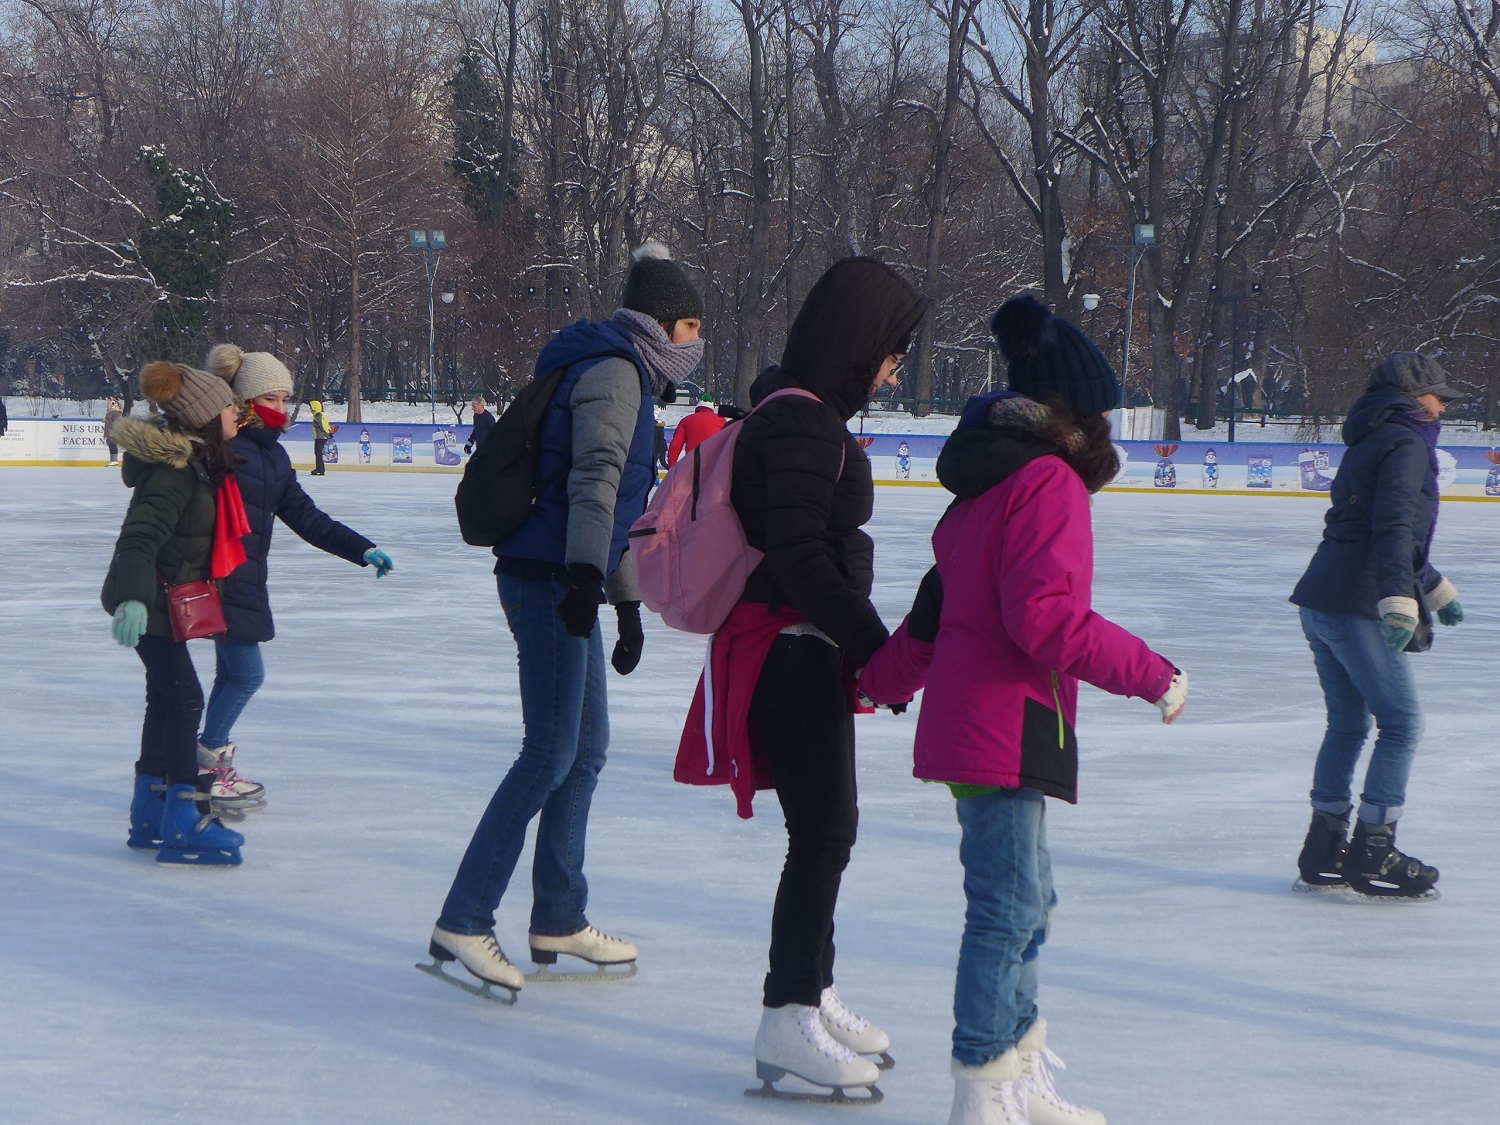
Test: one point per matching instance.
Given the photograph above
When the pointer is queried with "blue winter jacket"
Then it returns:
(1384, 499)
(268, 484)
(543, 538)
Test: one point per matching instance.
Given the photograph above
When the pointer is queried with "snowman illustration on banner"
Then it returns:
(364, 447)
(1166, 472)
(903, 461)
(1492, 481)
(1210, 469)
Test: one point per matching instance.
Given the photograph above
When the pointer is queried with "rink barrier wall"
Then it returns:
(1237, 469)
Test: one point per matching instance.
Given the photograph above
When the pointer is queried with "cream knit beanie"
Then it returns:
(251, 374)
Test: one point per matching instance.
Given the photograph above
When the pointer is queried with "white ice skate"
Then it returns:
(992, 1094)
(231, 793)
(1044, 1105)
(793, 1040)
(853, 1031)
(481, 955)
(612, 958)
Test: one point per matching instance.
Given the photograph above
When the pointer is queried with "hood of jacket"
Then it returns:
(150, 444)
(582, 339)
(981, 454)
(1374, 407)
(858, 313)
(316, 406)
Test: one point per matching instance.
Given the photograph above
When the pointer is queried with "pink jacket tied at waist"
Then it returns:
(1016, 634)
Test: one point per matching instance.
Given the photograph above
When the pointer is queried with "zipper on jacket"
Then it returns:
(1062, 736)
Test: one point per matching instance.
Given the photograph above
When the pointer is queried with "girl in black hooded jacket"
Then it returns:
(802, 490)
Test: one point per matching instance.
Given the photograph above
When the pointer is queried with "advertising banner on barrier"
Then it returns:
(1240, 467)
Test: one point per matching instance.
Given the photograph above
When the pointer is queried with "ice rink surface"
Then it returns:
(1185, 983)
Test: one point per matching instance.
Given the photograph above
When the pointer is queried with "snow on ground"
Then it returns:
(1185, 983)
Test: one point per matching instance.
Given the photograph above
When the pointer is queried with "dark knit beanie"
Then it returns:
(1047, 355)
(659, 287)
(1414, 373)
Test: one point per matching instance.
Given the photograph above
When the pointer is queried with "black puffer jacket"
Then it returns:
(268, 484)
(168, 533)
(802, 483)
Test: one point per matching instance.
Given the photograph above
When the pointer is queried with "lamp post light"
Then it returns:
(447, 298)
(430, 242)
(1091, 306)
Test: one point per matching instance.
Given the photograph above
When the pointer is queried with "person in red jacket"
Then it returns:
(695, 429)
(1002, 631)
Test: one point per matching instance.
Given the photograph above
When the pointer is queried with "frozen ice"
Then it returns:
(1184, 981)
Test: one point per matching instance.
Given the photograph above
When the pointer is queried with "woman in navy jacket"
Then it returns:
(1367, 599)
(268, 484)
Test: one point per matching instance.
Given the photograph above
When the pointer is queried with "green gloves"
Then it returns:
(1451, 614)
(129, 623)
(1399, 630)
(380, 561)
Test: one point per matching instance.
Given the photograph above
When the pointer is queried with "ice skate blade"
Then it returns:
(882, 1061)
(1302, 886)
(483, 989)
(236, 807)
(617, 970)
(874, 1096)
(200, 857)
(1431, 894)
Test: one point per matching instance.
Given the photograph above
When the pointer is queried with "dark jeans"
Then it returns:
(564, 710)
(318, 444)
(174, 703)
(800, 715)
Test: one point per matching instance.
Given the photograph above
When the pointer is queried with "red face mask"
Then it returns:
(273, 418)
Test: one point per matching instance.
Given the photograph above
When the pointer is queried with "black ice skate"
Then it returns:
(1321, 865)
(1374, 869)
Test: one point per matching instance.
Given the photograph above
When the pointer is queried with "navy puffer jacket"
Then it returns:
(269, 486)
(1384, 500)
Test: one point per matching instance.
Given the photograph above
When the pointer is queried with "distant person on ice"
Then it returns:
(184, 524)
(695, 429)
(1367, 599)
(1001, 632)
(269, 488)
(553, 574)
(322, 431)
(803, 491)
(112, 414)
(480, 429)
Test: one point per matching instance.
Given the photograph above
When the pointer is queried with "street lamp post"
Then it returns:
(1142, 238)
(430, 242)
(447, 299)
(1090, 306)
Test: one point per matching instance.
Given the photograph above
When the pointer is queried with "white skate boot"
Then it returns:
(612, 958)
(231, 793)
(793, 1040)
(991, 1094)
(853, 1031)
(1044, 1106)
(481, 955)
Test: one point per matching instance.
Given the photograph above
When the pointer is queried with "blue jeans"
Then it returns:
(1361, 677)
(238, 673)
(564, 712)
(1008, 885)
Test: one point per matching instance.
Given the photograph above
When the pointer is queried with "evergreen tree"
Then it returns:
(486, 178)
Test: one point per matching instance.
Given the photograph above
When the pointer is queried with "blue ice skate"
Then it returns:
(187, 836)
(146, 809)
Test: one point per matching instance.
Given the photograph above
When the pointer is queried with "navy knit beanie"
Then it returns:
(1046, 355)
(658, 287)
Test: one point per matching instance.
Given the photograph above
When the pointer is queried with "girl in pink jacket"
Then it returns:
(1001, 633)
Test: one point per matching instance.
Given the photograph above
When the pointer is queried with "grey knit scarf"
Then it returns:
(667, 364)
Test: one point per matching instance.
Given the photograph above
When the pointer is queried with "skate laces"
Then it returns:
(810, 1022)
(491, 945)
(835, 1011)
(1037, 1069)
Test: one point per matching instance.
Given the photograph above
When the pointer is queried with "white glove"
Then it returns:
(1171, 704)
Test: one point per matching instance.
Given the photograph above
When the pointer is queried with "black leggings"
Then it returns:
(800, 715)
(174, 704)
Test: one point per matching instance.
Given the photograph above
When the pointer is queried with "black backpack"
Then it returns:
(499, 486)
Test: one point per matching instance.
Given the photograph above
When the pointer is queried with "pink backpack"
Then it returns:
(691, 556)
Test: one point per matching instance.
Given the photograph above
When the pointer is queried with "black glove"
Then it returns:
(579, 608)
(468, 447)
(632, 640)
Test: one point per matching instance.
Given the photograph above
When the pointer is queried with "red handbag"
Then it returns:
(194, 609)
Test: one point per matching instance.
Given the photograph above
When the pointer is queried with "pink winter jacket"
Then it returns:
(1016, 634)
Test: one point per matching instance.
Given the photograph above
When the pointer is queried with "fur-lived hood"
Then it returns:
(149, 444)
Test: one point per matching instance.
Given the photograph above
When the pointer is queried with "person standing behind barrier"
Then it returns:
(180, 528)
(1002, 631)
(112, 414)
(695, 429)
(269, 488)
(803, 489)
(480, 429)
(321, 433)
(1366, 600)
(595, 440)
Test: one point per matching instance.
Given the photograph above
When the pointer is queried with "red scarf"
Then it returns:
(230, 525)
(274, 419)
